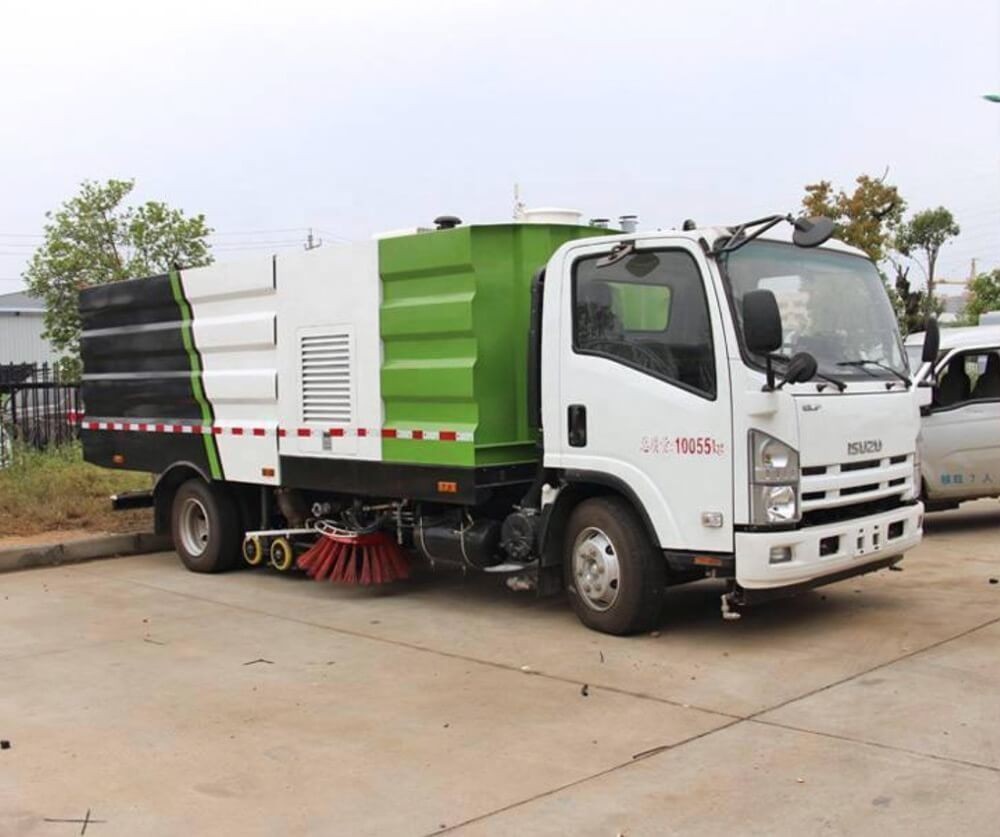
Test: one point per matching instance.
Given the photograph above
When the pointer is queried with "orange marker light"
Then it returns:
(708, 561)
(447, 488)
(118, 459)
(267, 472)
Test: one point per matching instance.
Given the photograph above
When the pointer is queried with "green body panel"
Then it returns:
(454, 324)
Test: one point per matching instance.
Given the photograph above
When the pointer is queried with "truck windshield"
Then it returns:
(833, 305)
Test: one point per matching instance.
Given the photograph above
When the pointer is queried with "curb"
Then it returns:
(84, 549)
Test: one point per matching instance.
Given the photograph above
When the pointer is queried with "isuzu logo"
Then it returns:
(866, 446)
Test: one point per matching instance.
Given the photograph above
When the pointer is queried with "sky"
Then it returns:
(355, 118)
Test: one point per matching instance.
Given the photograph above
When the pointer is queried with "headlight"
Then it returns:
(778, 503)
(774, 481)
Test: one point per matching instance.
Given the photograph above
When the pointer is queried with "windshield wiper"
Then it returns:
(861, 363)
(839, 384)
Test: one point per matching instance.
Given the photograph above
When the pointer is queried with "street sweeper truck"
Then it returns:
(565, 405)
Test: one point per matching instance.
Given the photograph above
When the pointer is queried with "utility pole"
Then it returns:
(311, 242)
(972, 274)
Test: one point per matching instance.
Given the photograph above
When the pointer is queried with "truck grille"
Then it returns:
(326, 378)
(843, 484)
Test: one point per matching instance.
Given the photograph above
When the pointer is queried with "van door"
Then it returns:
(960, 437)
(644, 391)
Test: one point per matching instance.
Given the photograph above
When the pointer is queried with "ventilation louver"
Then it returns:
(326, 378)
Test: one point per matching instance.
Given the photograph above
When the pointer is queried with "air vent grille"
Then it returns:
(326, 378)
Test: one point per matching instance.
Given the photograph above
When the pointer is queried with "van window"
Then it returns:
(647, 311)
(971, 376)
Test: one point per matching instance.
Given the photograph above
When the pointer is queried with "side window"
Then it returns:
(647, 311)
(987, 383)
(972, 376)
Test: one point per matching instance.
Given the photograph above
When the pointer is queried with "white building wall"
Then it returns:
(21, 338)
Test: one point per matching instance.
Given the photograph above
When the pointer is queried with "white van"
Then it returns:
(960, 430)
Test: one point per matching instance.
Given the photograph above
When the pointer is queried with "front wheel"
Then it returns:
(205, 526)
(614, 575)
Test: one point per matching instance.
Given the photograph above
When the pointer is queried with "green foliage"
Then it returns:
(43, 491)
(865, 218)
(94, 239)
(984, 295)
(925, 234)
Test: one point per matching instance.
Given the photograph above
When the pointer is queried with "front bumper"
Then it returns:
(838, 550)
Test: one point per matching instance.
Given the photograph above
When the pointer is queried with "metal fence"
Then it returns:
(37, 409)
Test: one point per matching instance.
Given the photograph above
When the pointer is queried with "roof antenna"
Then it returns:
(518, 203)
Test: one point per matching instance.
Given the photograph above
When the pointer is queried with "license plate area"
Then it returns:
(868, 539)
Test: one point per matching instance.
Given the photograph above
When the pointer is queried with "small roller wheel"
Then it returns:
(253, 551)
(282, 555)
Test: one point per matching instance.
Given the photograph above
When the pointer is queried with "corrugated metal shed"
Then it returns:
(21, 329)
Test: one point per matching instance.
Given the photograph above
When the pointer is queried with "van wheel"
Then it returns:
(614, 576)
(205, 526)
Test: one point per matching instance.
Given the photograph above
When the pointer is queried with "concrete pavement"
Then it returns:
(250, 703)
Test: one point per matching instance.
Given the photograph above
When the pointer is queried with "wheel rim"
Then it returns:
(253, 551)
(596, 570)
(281, 555)
(194, 528)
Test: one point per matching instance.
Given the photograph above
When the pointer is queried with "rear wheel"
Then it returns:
(614, 575)
(205, 526)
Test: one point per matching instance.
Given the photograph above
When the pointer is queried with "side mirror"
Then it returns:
(761, 322)
(801, 368)
(811, 232)
(932, 342)
(762, 328)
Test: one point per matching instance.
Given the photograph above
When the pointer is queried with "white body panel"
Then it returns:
(330, 299)
(234, 328)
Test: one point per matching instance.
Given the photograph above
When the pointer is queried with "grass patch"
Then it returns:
(55, 489)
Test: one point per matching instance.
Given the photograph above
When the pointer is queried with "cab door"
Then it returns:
(644, 394)
(960, 435)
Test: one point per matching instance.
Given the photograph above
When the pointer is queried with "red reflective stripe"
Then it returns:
(282, 432)
(336, 431)
(236, 431)
(448, 436)
(178, 428)
(196, 428)
(259, 431)
(362, 432)
(218, 431)
(160, 428)
(142, 427)
(418, 434)
(304, 431)
(388, 433)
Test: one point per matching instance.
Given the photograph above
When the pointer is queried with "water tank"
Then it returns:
(551, 215)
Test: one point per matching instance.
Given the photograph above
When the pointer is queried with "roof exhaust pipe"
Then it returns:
(628, 223)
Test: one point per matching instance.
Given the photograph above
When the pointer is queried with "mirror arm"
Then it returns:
(769, 370)
(735, 241)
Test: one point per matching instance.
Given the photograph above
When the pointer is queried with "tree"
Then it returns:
(866, 218)
(911, 306)
(926, 233)
(984, 295)
(94, 239)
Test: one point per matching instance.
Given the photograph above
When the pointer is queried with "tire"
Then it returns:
(615, 577)
(205, 526)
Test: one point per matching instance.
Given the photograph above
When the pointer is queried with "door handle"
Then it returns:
(577, 415)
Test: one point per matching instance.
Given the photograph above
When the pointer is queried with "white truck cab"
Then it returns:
(781, 452)
(960, 429)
